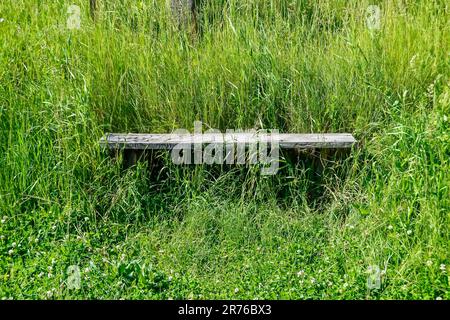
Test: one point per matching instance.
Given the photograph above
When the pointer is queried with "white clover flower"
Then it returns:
(438, 298)
(13, 244)
(170, 278)
(390, 227)
(429, 263)
(409, 232)
(442, 267)
(300, 273)
(11, 251)
(313, 280)
(236, 290)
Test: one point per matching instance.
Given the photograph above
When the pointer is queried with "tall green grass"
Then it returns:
(211, 232)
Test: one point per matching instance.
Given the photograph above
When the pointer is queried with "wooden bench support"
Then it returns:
(93, 8)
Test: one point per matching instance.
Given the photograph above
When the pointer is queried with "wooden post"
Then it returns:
(93, 7)
(130, 158)
(185, 13)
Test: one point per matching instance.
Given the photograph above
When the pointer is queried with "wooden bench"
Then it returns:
(135, 143)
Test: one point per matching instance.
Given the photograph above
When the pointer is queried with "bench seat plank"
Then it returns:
(143, 141)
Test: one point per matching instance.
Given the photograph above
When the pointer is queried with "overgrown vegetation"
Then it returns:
(212, 232)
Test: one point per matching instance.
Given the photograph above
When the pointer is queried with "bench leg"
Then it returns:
(130, 158)
(93, 7)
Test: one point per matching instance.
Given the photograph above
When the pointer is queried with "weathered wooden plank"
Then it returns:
(169, 141)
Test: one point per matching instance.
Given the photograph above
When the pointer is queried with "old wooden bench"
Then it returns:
(134, 143)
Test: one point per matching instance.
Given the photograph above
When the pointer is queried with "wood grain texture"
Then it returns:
(143, 141)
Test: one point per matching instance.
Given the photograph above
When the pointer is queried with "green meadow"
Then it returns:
(324, 227)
